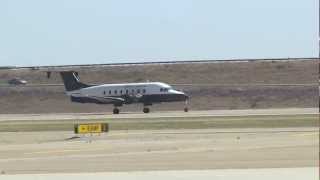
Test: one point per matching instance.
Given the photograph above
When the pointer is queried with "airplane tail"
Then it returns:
(71, 81)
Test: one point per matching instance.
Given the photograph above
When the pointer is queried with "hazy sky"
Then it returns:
(43, 32)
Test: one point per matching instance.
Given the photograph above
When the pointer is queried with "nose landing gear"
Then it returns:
(186, 109)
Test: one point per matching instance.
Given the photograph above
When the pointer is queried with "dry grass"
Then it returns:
(52, 99)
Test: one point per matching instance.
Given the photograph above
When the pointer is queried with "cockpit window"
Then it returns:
(164, 89)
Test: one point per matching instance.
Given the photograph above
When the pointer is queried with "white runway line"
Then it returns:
(306, 173)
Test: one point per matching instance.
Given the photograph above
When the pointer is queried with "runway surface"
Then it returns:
(306, 173)
(209, 113)
(141, 153)
(152, 150)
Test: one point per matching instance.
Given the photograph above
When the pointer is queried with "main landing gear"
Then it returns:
(145, 107)
(116, 110)
(146, 110)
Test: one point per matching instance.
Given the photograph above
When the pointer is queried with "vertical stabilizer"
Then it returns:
(71, 81)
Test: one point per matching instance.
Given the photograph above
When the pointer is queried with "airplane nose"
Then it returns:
(181, 96)
(186, 97)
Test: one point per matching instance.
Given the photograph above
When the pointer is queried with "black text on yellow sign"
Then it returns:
(91, 128)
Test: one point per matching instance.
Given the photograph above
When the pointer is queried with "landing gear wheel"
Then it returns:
(186, 106)
(146, 110)
(116, 111)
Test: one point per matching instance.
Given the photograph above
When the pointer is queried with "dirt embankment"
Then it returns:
(206, 95)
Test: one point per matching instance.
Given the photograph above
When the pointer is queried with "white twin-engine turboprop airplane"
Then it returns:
(118, 94)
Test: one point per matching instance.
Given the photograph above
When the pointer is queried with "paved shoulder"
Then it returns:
(307, 173)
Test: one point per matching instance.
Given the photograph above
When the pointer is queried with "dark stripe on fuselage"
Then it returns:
(85, 100)
(157, 98)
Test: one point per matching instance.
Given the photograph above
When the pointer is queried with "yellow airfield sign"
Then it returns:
(91, 128)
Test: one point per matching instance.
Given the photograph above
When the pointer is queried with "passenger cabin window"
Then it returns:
(121, 91)
(115, 91)
(104, 92)
(109, 91)
(127, 91)
(138, 90)
(143, 91)
(132, 91)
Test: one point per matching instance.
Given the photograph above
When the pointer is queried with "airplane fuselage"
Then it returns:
(146, 93)
(119, 94)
